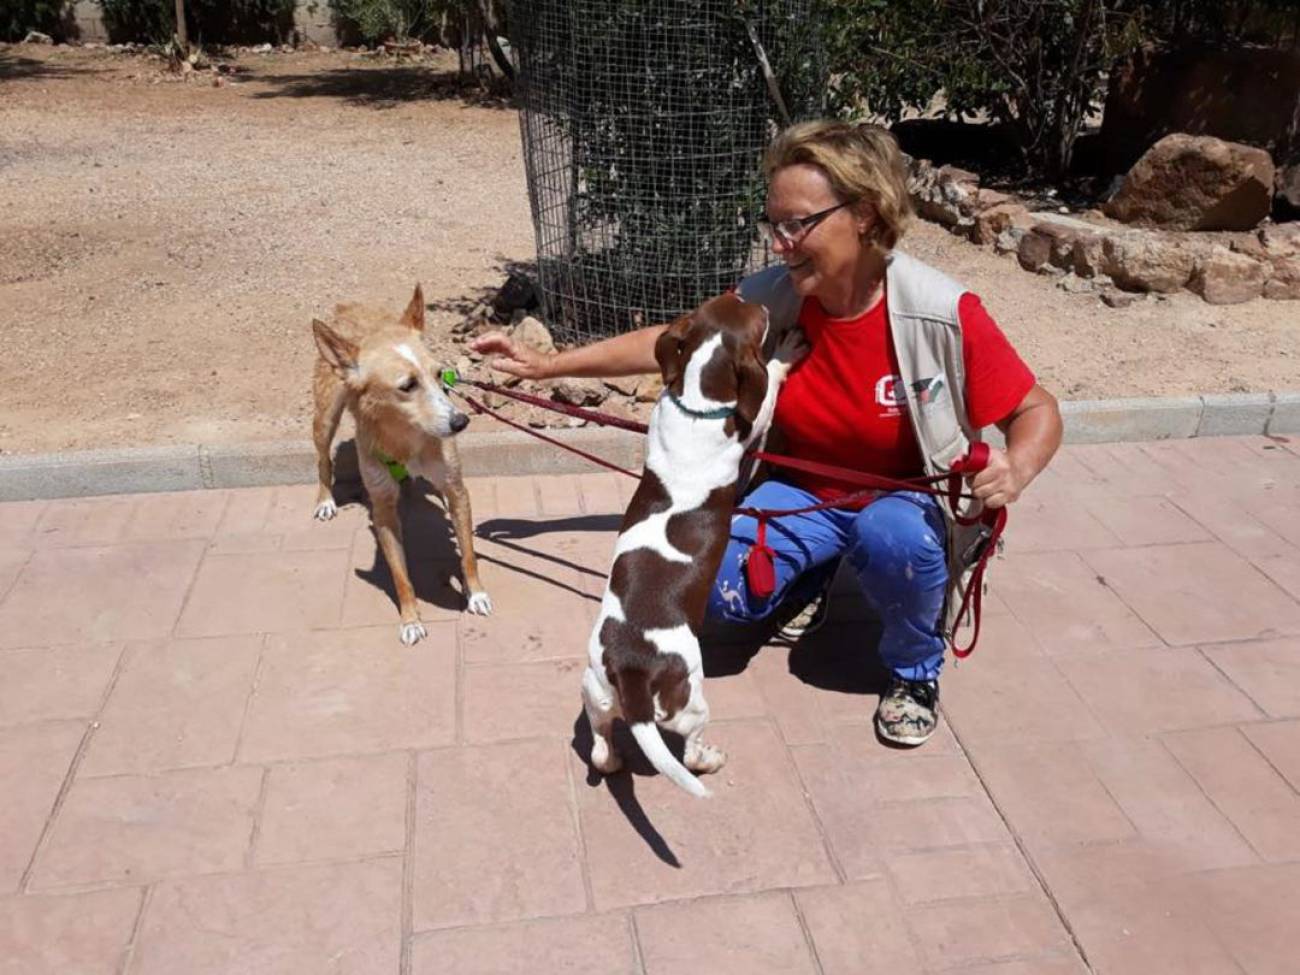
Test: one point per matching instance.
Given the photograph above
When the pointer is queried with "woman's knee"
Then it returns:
(900, 534)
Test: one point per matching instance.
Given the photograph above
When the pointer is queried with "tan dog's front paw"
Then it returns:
(480, 604)
(413, 633)
(605, 759)
(704, 759)
(326, 510)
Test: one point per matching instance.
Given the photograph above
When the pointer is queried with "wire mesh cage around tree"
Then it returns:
(643, 125)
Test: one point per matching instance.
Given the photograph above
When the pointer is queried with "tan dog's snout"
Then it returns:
(459, 421)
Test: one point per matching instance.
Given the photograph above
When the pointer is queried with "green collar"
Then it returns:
(717, 413)
(395, 467)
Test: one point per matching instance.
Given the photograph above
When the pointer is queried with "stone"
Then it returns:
(627, 385)
(1187, 182)
(945, 195)
(1088, 258)
(993, 221)
(649, 390)
(1281, 239)
(535, 335)
(1008, 242)
(1147, 262)
(1223, 277)
(1075, 285)
(1284, 282)
(1034, 251)
(1117, 299)
(1288, 187)
(579, 391)
(36, 37)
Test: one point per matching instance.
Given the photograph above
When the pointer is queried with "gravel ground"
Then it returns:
(164, 244)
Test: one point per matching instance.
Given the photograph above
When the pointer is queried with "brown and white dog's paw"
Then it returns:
(413, 633)
(480, 604)
(604, 758)
(704, 759)
(326, 510)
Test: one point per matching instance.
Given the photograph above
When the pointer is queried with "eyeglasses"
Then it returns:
(790, 232)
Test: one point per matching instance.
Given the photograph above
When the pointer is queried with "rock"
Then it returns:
(1284, 283)
(517, 292)
(1008, 242)
(1187, 182)
(579, 391)
(1147, 262)
(626, 385)
(650, 388)
(1117, 299)
(985, 198)
(1223, 277)
(1035, 251)
(1281, 239)
(1287, 187)
(995, 220)
(533, 334)
(1088, 259)
(1076, 285)
(945, 195)
(36, 37)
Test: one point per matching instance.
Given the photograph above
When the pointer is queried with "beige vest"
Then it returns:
(922, 307)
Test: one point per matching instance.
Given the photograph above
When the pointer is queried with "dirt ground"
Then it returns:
(164, 245)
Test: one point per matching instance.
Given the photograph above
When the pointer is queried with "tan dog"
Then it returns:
(376, 365)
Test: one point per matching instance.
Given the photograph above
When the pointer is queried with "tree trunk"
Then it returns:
(182, 35)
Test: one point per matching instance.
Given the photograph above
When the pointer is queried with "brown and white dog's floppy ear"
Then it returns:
(670, 351)
(339, 353)
(751, 387)
(413, 317)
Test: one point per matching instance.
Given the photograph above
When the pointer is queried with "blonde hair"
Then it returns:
(862, 162)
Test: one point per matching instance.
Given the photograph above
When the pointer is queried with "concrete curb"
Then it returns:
(505, 453)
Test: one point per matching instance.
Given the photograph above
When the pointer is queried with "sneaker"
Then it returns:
(908, 711)
(810, 618)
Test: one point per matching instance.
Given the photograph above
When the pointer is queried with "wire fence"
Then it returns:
(643, 126)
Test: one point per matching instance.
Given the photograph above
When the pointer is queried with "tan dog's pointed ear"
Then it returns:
(413, 317)
(751, 388)
(669, 351)
(339, 353)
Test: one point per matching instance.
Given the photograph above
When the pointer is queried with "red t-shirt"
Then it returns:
(840, 404)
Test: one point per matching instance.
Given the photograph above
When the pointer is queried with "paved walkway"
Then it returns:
(215, 757)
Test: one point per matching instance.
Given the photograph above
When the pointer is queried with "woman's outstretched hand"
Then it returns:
(1000, 483)
(513, 357)
(791, 347)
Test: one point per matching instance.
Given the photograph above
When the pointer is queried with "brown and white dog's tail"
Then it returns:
(652, 745)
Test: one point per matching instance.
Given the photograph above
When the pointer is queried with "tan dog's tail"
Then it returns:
(652, 744)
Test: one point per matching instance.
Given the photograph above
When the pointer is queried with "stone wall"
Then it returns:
(311, 18)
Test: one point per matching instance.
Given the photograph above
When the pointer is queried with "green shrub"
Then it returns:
(212, 21)
(17, 17)
(378, 20)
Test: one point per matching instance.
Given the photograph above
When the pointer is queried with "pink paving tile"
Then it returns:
(588, 945)
(1049, 795)
(1079, 873)
(1149, 929)
(508, 701)
(974, 871)
(1277, 511)
(1147, 521)
(98, 595)
(952, 933)
(559, 496)
(349, 691)
(344, 919)
(1245, 788)
(1228, 521)
(1127, 469)
(1279, 742)
(176, 703)
(925, 824)
(290, 515)
(83, 933)
(270, 592)
(1135, 692)
(805, 712)
(1165, 804)
(134, 829)
(1197, 593)
(603, 493)
(1267, 670)
(370, 598)
(1059, 598)
(12, 561)
(1050, 525)
(40, 685)
(1252, 911)
(180, 514)
(516, 497)
(756, 833)
(495, 836)
(18, 521)
(483, 497)
(83, 521)
(858, 929)
(1284, 570)
(34, 760)
(1056, 964)
(333, 809)
(542, 611)
(875, 773)
(1018, 700)
(758, 935)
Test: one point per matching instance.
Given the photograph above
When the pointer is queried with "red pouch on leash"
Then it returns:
(760, 566)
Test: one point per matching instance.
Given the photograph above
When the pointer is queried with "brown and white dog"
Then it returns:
(644, 655)
(376, 366)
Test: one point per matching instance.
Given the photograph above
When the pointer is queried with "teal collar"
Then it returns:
(717, 413)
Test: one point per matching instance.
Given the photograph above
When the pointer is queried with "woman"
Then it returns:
(904, 369)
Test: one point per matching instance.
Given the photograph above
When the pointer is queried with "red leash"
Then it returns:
(760, 565)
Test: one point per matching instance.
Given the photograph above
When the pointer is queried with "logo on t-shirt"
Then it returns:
(890, 395)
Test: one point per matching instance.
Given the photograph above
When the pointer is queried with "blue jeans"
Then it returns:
(895, 545)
